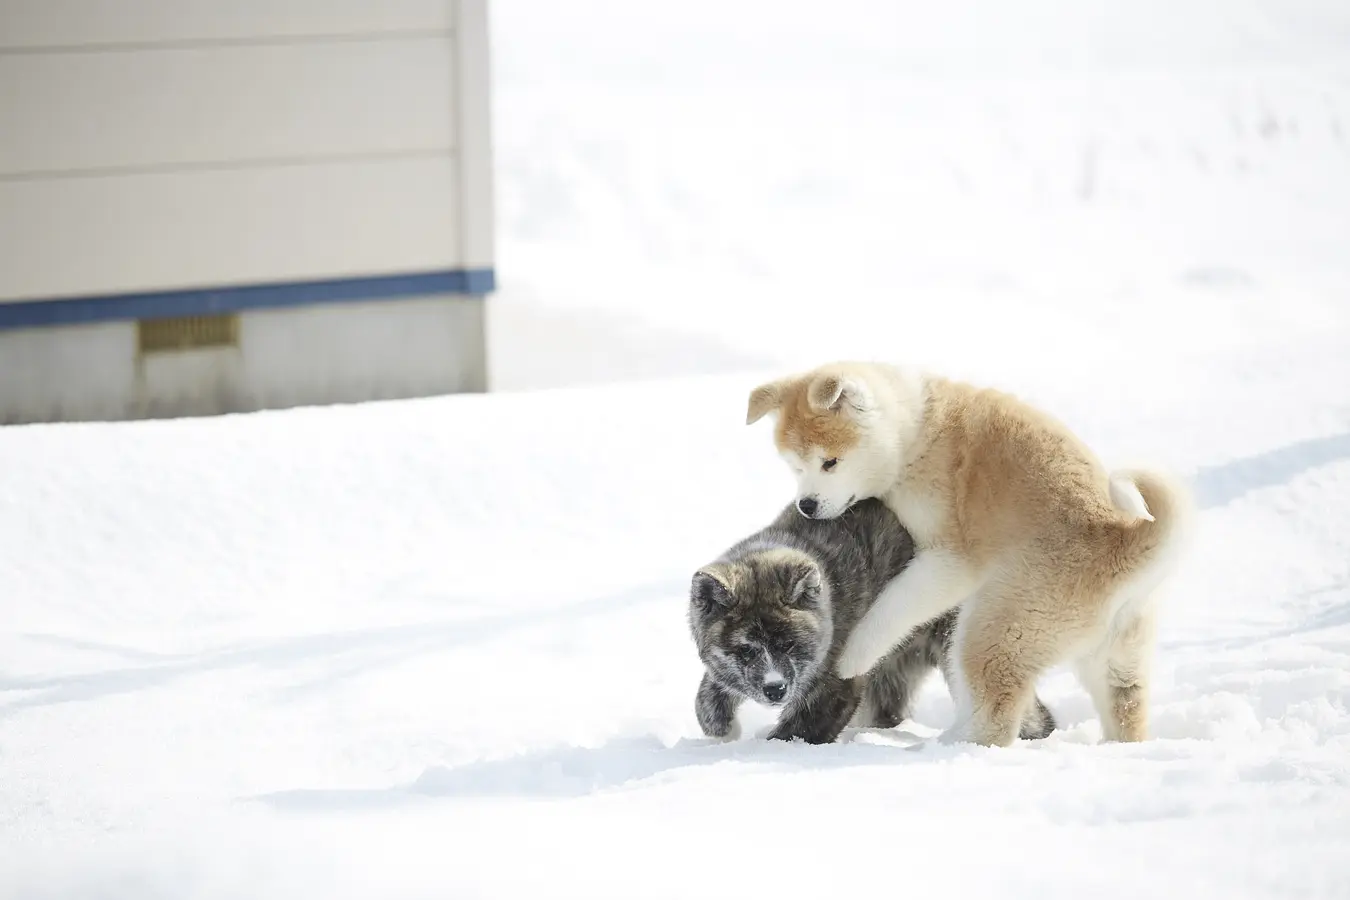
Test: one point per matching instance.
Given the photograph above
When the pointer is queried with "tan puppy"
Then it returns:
(1050, 557)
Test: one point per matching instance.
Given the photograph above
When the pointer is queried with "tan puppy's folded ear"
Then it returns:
(834, 392)
(763, 400)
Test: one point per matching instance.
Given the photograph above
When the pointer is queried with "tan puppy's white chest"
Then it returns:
(920, 514)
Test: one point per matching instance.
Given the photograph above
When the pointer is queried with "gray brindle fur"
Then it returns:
(772, 614)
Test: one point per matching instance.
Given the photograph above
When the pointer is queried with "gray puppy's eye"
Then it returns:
(829, 464)
(746, 654)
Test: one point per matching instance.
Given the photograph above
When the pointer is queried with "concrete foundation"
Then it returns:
(297, 356)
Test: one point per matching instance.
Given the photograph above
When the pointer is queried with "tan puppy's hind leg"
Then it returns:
(1116, 675)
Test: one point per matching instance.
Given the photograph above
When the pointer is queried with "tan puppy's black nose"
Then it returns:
(807, 506)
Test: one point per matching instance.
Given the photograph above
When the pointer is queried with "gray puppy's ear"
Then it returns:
(710, 589)
(806, 585)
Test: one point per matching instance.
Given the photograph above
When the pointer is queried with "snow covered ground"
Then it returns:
(437, 648)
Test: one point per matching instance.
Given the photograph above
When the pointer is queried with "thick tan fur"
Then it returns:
(1049, 557)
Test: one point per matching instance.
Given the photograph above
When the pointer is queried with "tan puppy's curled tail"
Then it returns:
(1128, 498)
(1159, 513)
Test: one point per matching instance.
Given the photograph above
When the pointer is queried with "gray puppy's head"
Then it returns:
(760, 622)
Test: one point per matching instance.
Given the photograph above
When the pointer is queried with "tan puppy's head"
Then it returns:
(826, 431)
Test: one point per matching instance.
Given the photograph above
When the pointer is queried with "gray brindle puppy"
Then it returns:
(771, 615)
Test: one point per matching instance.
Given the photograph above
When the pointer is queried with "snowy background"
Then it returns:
(437, 648)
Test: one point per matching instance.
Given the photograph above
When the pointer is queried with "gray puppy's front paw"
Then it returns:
(733, 733)
(715, 708)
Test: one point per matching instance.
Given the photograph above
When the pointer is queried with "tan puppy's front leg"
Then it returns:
(935, 581)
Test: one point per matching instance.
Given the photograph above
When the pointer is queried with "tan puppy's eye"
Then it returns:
(829, 464)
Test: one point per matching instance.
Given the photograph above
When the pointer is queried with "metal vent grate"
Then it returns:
(186, 333)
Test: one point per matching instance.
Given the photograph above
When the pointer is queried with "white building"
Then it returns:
(225, 205)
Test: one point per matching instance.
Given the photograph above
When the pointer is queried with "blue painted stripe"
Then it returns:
(212, 301)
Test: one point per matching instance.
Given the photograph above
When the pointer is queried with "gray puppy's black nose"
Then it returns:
(808, 506)
(776, 691)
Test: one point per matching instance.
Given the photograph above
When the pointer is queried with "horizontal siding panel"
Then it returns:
(27, 24)
(165, 231)
(226, 103)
